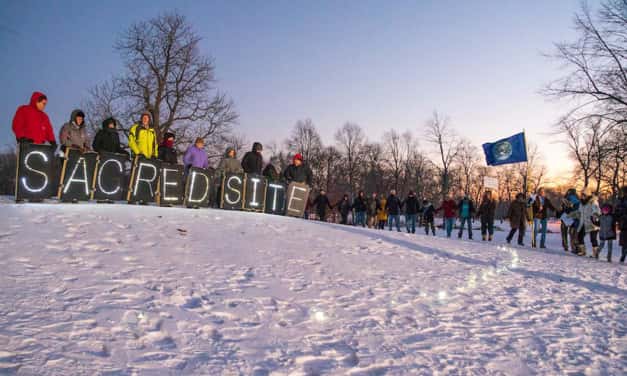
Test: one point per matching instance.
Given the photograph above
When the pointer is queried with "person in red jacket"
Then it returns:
(31, 124)
(449, 206)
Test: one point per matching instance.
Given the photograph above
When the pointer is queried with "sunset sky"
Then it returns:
(381, 64)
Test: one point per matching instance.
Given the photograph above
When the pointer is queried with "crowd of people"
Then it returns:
(579, 214)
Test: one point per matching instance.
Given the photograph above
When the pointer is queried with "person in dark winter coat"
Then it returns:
(466, 211)
(607, 230)
(393, 207)
(252, 163)
(107, 139)
(449, 207)
(486, 215)
(298, 171)
(73, 134)
(322, 203)
(540, 207)
(428, 217)
(360, 206)
(570, 218)
(344, 207)
(518, 218)
(621, 217)
(195, 156)
(270, 172)
(167, 152)
(412, 206)
(373, 207)
(31, 123)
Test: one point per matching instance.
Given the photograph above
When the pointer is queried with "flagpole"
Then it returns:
(526, 187)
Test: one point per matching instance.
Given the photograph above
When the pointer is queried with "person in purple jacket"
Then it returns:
(196, 156)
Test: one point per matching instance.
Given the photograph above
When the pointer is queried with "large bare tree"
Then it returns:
(439, 132)
(167, 75)
(350, 139)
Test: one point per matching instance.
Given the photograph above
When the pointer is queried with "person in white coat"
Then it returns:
(589, 223)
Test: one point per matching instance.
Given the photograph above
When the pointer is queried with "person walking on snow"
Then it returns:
(344, 207)
(466, 211)
(361, 207)
(142, 138)
(607, 230)
(382, 215)
(588, 223)
(540, 207)
(621, 217)
(412, 207)
(31, 124)
(393, 207)
(321, 203)
(72, 134)
(518, 218)
(252, 163)
(487, 210)
(167, 152)
(428, 217)
(373, 207)
(449, 207)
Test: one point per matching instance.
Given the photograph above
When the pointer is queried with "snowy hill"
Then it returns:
(123, 290)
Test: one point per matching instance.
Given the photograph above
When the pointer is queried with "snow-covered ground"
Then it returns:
(121, 290)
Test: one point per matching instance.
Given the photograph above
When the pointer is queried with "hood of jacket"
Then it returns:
(107, 121)
(228, 150)
(73, 118)
(34, 97)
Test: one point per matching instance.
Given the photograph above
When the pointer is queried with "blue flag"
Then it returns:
(505, 151)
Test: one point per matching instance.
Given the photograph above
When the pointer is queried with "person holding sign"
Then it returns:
(31, 123)
(167, 152)
(142, 138)
(252, 163)
(107, 139)
(298, 172)
(196, 156)
(270, 172)
(72, 134)
(229, 164)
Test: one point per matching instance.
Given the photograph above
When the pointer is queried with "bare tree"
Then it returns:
(396, 153)
(304, 139)
(595, 62)
(165, 74)
(467, 158)
(350, 139)
(439, 133)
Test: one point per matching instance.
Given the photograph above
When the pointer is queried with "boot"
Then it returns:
(483, 237)
(490, 238)
(595, 252)
(622, 257)
(581, 250)
(609, 255)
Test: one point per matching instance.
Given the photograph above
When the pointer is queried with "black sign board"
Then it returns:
(143, 185)
(35, 172)
(254, 192)
(110, 180)
(171, 184)
(232, 195)
(77, 175)
(275, 198)
(296, 202)
(197, 188)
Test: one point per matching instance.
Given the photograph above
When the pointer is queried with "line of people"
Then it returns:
(579, 215)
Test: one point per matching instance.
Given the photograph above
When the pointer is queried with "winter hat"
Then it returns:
(168, 135)
(297, 157)
(606, 209)
(106, 122)
(257, 146)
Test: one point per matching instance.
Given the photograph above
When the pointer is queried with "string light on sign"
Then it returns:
(29, 168)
